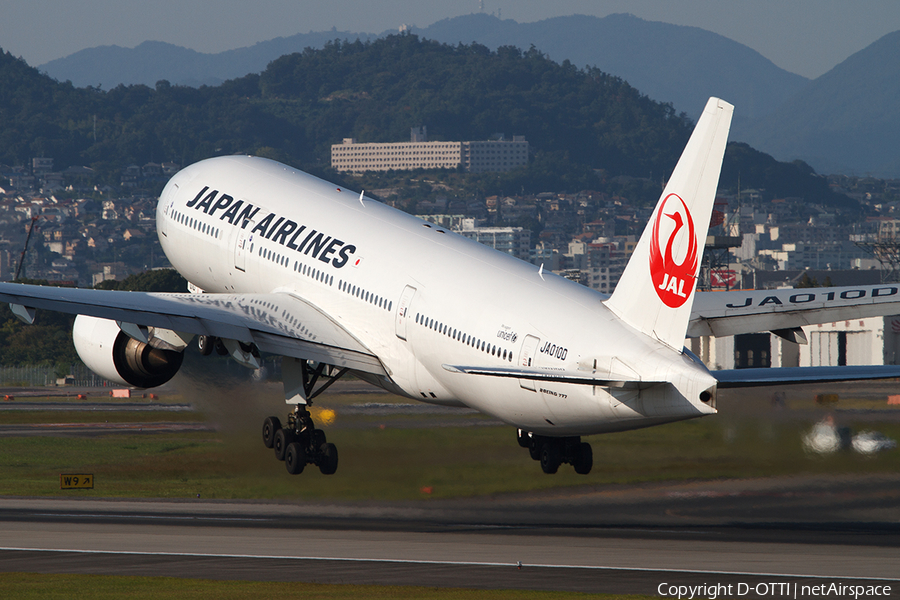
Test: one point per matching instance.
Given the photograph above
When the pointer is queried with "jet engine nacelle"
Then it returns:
(111, 353)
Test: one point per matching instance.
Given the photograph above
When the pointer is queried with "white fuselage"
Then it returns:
(420, 297)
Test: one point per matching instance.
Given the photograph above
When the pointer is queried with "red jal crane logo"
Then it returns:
(674, 282)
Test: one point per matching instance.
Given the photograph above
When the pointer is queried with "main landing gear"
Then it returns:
(300, 443)
(553, 451)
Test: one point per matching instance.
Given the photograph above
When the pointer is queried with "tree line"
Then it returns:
(584, 126)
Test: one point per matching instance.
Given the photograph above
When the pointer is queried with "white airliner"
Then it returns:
(281, 262)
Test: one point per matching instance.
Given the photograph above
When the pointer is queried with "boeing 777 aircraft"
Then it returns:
(281, 262)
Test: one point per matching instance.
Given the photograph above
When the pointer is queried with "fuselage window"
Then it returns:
(390, 304)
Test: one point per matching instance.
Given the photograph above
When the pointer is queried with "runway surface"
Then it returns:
(771, 532)
(615, 540)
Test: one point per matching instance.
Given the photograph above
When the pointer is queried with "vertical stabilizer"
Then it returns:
(656, 291)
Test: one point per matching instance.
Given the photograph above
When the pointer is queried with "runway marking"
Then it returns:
(444, 562)
(168, 517)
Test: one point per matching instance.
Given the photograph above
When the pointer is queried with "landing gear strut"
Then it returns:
(299, 443)
(551, 452)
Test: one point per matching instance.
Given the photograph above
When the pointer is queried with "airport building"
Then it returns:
(867, 341)
(419, 153)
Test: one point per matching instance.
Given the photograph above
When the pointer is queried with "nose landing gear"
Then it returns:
(551, 452)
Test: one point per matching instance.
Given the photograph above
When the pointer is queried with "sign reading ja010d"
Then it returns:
(81, 481)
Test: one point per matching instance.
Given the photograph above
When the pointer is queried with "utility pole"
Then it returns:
(25, 248)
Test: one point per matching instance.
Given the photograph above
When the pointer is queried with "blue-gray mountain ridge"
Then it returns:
(842, 122)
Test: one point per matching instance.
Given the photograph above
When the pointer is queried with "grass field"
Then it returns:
(397, 457)
(24, 586)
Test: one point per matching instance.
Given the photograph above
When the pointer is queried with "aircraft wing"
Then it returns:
(740, 378)
(279, 323)
(553, 376)
(729, 313)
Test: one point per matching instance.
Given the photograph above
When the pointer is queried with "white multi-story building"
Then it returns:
(418, 153)
(511, 240)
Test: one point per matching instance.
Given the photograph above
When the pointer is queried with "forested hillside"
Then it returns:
(580, 123)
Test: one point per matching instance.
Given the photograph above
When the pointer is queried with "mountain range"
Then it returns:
(841, 122)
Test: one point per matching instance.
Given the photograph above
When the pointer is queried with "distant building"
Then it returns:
(418, 153)
(41, 165)
(515, 241)
(867, 341)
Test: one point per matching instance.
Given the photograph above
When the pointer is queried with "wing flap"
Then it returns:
(277, 322)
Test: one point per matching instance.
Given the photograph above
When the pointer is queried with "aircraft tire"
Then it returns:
(294, 458)
(551, 457)
(585, 459)
(206, 343)
(534, 447)
(329, 460)
(270, 426)
(283, 438)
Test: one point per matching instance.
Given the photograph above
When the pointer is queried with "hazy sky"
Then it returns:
(807, 37)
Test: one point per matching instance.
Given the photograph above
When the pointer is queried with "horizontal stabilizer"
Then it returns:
(738, 378)
(750, 311)
(553, 376)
